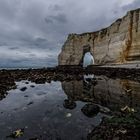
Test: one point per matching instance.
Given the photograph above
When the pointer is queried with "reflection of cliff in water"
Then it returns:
(111, 93)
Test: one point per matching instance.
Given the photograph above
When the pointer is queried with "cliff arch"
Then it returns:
(74, 49)
(117, 44)
(87, 58)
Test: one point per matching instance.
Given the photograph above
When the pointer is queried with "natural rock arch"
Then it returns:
(86, 49)
(74, 49)
(88, 59)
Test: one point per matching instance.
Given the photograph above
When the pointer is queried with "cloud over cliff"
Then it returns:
(32, 31)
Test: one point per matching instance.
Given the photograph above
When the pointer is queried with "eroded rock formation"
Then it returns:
(116, 44)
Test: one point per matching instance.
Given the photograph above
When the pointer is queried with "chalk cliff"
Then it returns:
(117, 44)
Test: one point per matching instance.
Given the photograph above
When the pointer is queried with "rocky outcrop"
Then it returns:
(117, 44)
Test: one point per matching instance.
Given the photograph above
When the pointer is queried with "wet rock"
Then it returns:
(34, 138)
(32, 86)
(3, 94)
(48, 81)
(117, 128)
(104, 109)
(69, 104)
(90, 110)
(26, 82)
(40, 80)
(23, 88)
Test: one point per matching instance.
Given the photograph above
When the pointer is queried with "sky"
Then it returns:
(88, 59)
(32, 32)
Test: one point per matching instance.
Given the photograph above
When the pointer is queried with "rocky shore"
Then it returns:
(122, 125)
(60, 73)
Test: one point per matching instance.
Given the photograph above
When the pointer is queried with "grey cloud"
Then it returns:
(55, 7)
(56, 18)
(43, 25)
(8, 9)
(48, 20)
(14, 48)
(134, 5)
(8, 63)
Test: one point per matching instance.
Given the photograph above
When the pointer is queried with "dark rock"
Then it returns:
(40, 80)
(69, 104)
(90, 110)
(26, 82)
(23, 88)
(120, 128)
(34, 138)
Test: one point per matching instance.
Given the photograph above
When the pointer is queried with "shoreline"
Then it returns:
(109, 71)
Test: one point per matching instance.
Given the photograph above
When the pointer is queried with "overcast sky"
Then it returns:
(32, 32)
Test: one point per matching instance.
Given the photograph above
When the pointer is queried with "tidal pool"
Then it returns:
(59, 110)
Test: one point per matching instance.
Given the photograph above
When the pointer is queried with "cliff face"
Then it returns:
(116, 44)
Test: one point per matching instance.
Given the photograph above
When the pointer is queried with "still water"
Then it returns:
(59, 110)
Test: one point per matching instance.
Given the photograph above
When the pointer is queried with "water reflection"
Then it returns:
(65, 110)
(111, 93)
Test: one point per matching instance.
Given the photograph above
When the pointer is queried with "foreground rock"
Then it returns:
(117, 128)
(90, 110)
